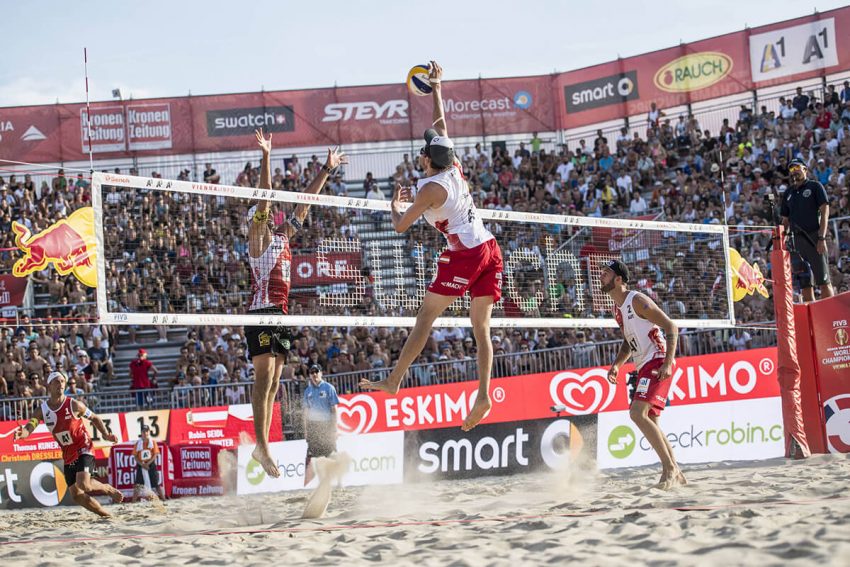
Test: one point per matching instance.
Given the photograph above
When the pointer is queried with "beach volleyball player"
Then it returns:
(270, 256)
(650, 338)
(64, 418)
(471, 262)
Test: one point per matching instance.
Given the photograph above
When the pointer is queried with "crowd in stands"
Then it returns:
(176, 252)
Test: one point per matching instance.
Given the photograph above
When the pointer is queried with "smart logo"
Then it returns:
(621, 442)
(615, 89)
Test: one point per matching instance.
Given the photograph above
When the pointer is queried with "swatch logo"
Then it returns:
(357, 414)
(582, 394)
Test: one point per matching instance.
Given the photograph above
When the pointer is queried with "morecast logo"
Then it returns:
(243, 121)
(693, 72)
(615, 89)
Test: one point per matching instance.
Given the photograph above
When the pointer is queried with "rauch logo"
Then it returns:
(693, 72)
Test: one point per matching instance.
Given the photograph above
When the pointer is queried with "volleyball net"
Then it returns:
(176, 253)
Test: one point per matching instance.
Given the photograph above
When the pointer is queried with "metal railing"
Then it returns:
(582, 355)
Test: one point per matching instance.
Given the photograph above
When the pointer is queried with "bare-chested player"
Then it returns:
(270, 257)
(471, 262)
(654, 352)
(63, 416)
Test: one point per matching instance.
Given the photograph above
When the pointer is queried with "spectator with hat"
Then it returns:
(140, 369)
(320, 418)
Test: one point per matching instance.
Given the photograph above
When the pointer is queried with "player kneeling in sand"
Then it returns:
(63, 416)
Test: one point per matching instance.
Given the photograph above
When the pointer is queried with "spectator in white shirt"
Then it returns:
(638, 205)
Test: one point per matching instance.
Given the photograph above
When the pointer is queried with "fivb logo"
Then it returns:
(582, 394)
(390, 111)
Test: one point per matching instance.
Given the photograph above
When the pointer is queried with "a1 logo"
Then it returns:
(621, 442)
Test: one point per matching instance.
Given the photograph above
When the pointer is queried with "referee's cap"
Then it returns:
(797, 162)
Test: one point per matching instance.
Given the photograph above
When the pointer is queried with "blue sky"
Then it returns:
(157, 48)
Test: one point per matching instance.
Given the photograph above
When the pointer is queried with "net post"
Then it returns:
(788, 365)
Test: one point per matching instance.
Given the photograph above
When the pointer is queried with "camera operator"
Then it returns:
(805, 212)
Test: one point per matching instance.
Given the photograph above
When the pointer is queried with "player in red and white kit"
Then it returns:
(63, 416)
(270, 259)
(471, 262)
(650, 338)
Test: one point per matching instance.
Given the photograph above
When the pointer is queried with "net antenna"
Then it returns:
(88, 108)
(348, 267)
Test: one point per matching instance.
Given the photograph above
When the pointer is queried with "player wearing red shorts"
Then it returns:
(471, 262)
(63, 416)
(650, 339)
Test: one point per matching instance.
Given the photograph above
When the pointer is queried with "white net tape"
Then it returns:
(175, 253)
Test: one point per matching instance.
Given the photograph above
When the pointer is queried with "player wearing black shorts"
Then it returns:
(270, 259)
(805, 213)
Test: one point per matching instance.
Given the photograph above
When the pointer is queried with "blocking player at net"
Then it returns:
(471, 262)
(270, 257)
(63, 416)
(650, 338)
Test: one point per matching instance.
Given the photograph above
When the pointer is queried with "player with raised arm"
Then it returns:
(270, 258)
(471, 262)
(650, 338)
(64, 417)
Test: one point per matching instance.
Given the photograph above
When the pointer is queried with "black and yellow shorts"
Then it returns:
(268, 339)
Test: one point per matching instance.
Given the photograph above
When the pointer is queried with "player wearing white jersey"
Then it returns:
(471, 262)
(270, 257)
(650, 339)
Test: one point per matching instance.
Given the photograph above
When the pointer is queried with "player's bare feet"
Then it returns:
(680, 478)
(479, 411)
(670, 480)
(261, 455)
(389, 385)
(116, 496)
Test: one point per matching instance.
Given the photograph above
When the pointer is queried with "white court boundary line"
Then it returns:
(100, 179)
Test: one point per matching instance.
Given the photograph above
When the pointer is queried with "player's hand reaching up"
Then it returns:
(265, 144)
(435, 74)
(335, 158)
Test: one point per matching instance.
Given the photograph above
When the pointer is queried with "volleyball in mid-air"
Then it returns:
(417, 81)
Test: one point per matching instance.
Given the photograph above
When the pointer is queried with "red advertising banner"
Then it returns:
(784, 52)
(225, 426)
(12, 290)
(330, 268)
(196, 471)
(830, 326)
(700, 379)
(122, 468)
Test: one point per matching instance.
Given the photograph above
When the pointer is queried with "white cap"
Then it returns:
(54, 375)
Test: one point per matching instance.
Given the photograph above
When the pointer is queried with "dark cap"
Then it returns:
(314, 367)
(618, 268)
(797, 162)
(146, 428)
(440, 149)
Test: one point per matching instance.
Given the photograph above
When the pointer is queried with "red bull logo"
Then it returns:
(69, 244)
(746, 278)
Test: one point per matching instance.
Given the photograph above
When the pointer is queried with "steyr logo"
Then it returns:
(390, 111)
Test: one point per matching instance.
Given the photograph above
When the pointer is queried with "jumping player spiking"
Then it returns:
(471, 262)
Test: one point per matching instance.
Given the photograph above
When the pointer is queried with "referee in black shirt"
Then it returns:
(805, 212)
